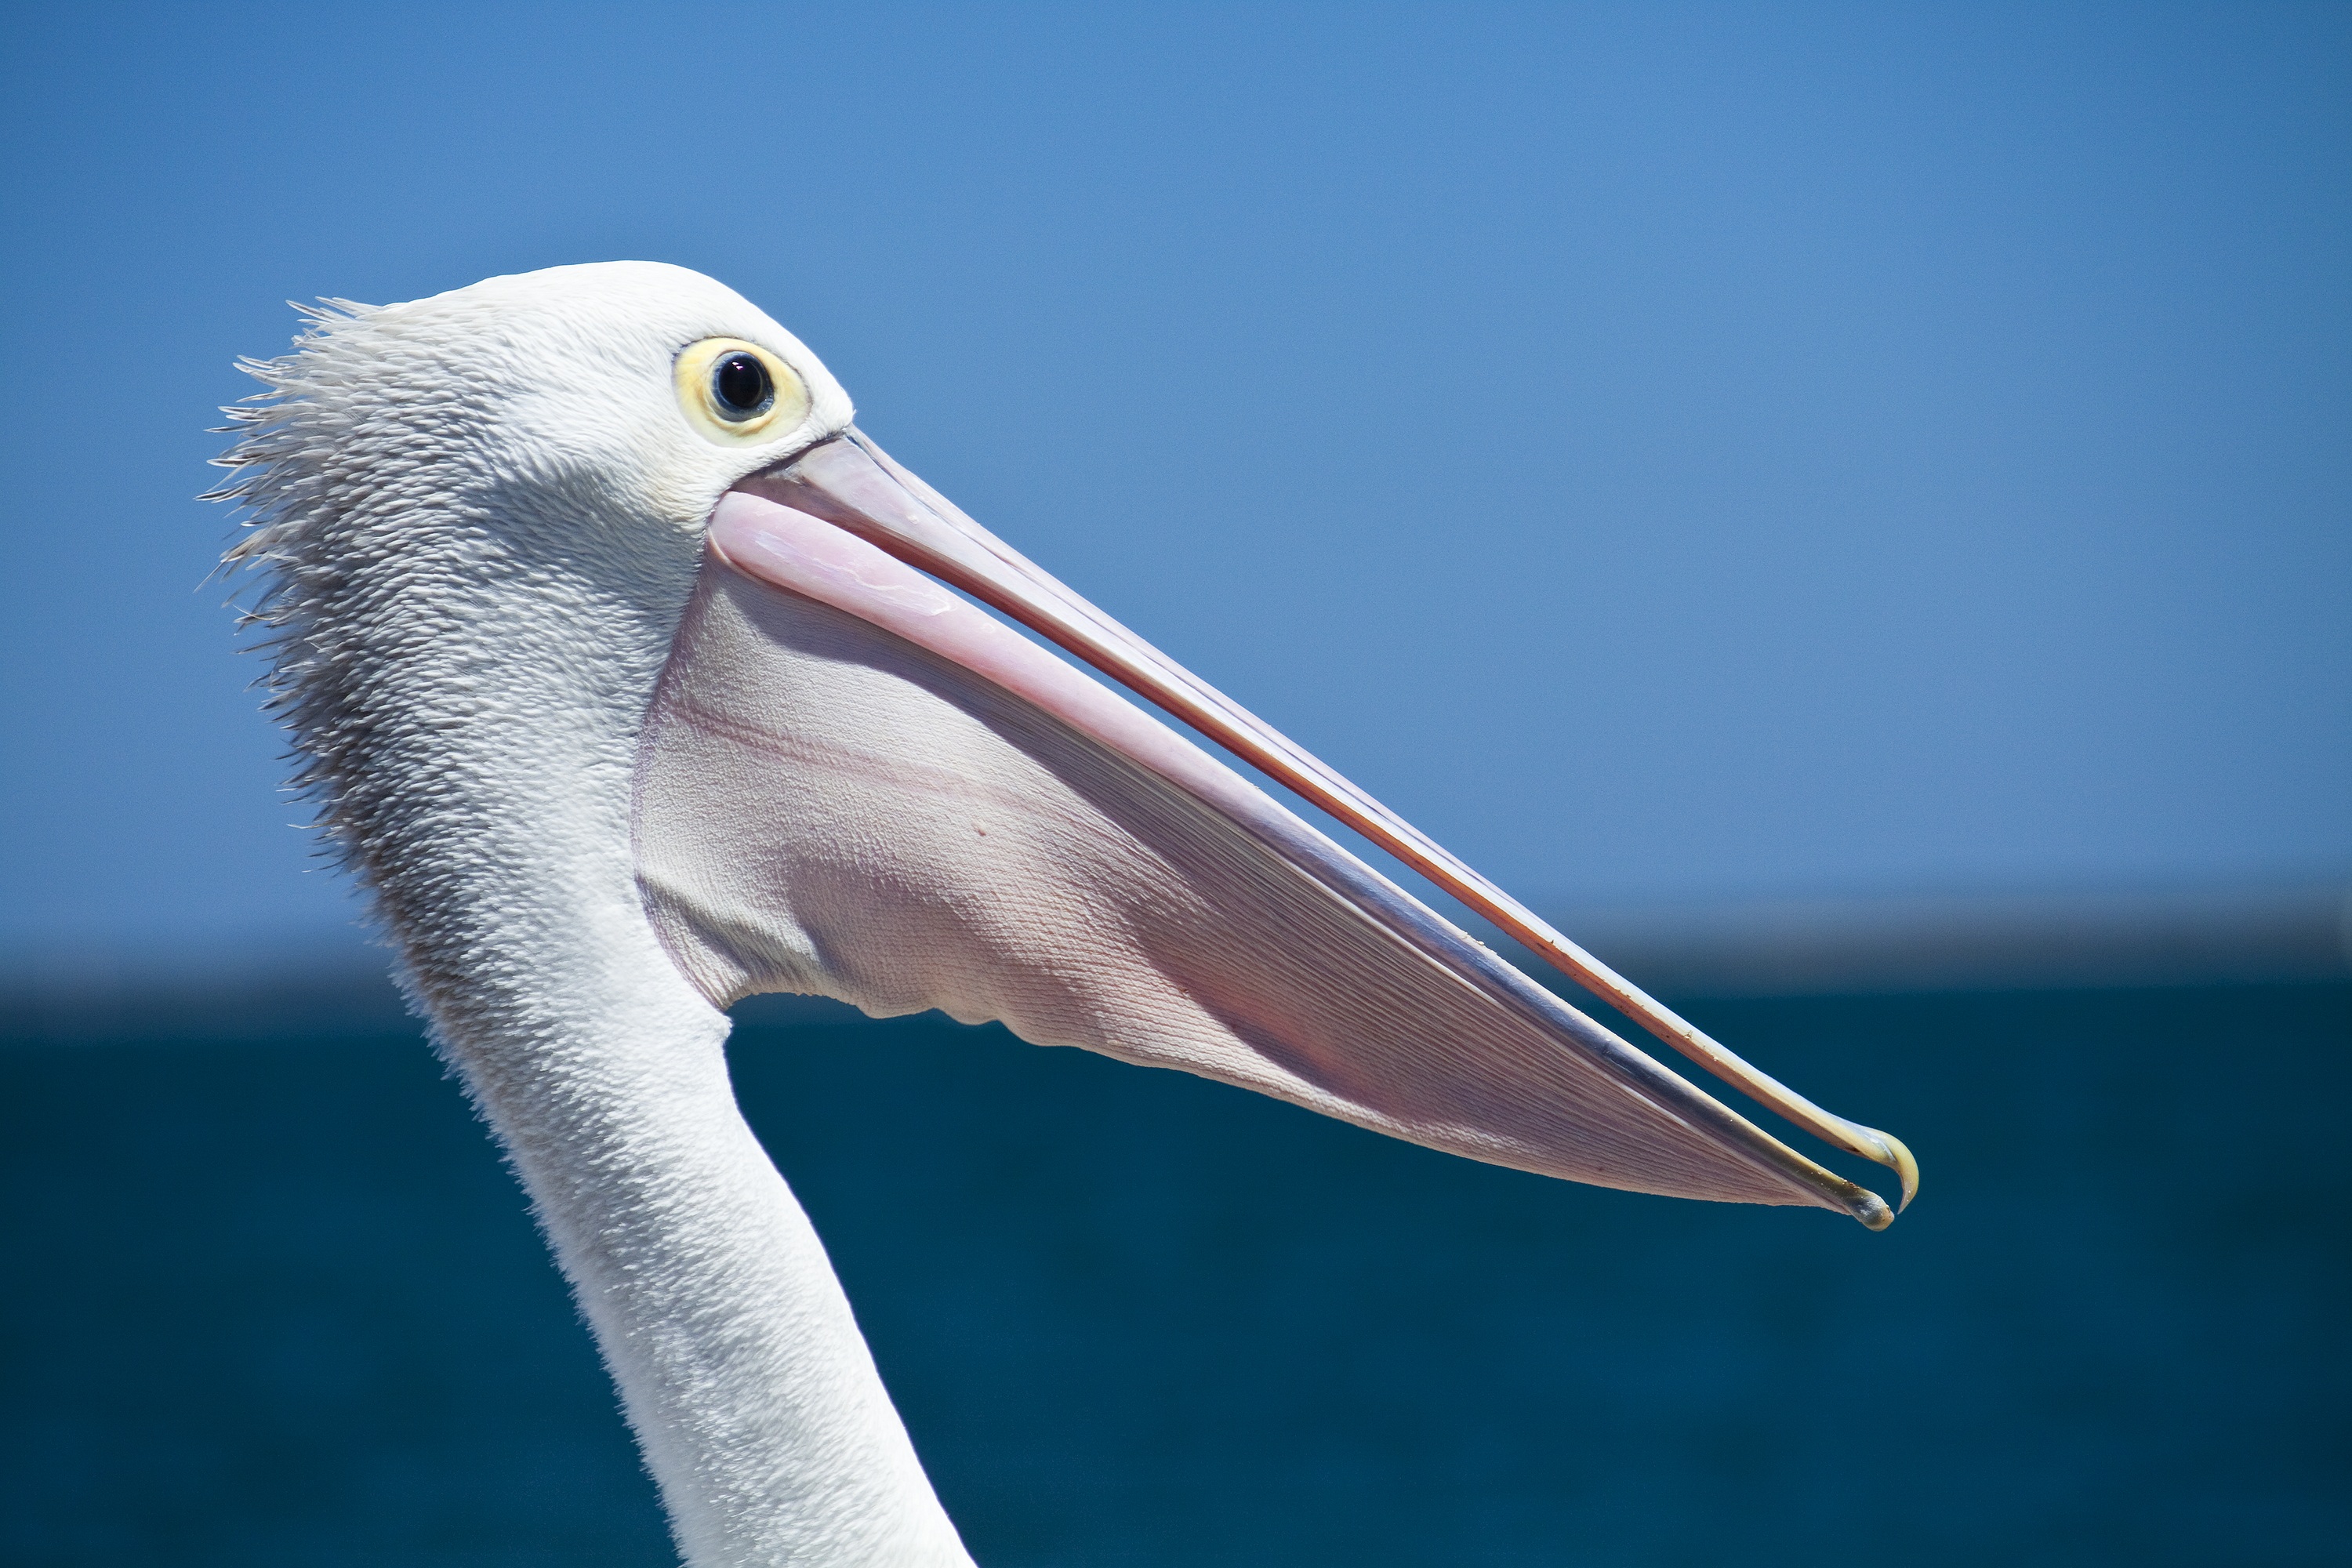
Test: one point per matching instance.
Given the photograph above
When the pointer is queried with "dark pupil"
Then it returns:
(742, 385)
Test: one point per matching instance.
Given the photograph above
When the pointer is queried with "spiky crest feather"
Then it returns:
(278, 484)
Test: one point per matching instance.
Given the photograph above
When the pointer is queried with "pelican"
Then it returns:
(631, 678)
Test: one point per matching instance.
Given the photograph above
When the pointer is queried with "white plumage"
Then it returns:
(610, 693)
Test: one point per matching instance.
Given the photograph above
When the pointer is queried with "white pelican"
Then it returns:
(625, 679)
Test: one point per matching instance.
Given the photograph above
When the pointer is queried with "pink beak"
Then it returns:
(793, 527)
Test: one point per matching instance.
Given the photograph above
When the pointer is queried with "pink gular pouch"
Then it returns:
(853, 782)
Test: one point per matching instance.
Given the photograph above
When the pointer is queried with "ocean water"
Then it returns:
(275, 1301)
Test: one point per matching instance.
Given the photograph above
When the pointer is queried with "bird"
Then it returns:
(629, 677)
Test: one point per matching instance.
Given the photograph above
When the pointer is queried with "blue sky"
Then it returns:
(1667, 452)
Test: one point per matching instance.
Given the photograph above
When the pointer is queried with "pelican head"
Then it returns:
(632, 678)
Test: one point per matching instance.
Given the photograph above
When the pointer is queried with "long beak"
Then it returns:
(853, 484)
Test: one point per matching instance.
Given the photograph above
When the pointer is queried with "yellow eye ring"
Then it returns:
(738, 393)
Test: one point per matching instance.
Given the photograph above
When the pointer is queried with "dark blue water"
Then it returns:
(277, 1302)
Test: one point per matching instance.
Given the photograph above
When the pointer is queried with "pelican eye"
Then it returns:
(737, 394)
(740, 386)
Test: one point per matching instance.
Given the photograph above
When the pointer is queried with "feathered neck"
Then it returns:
(464, 634)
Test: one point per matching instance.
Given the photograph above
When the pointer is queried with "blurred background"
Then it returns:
(1850, 507)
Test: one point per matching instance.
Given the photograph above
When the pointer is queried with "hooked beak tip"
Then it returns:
(1893, 1153)
(1906, 1168)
